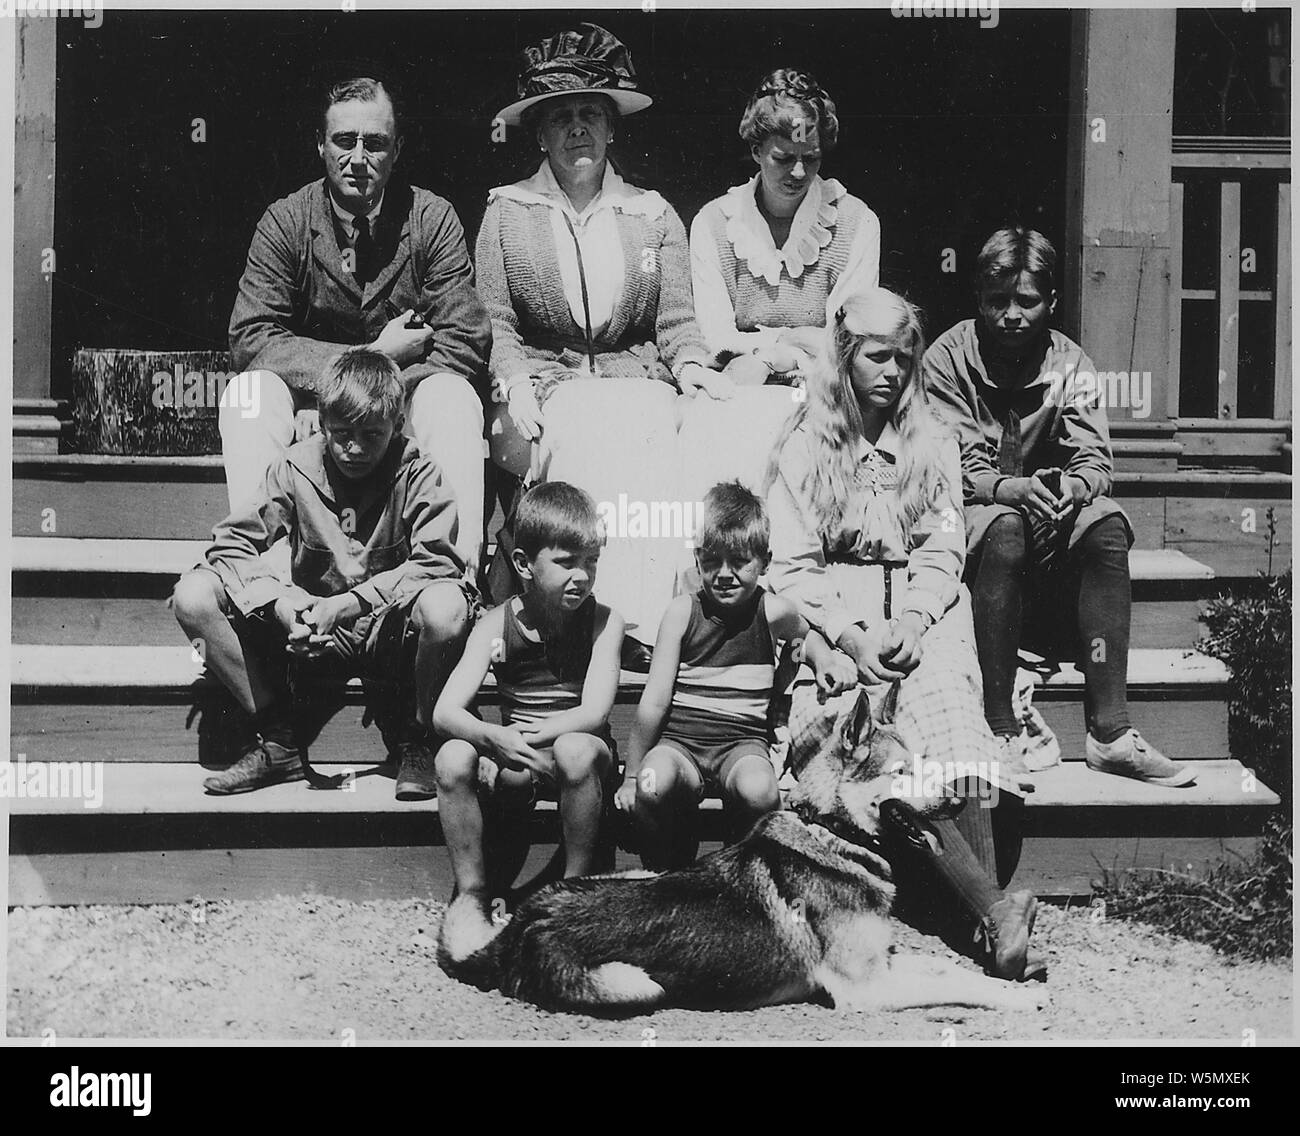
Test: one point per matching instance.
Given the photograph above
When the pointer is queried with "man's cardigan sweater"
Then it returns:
(652, 332)
(298, 304)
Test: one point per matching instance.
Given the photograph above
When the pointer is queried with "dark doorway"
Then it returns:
(948, 130)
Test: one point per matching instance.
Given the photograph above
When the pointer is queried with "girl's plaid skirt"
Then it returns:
(940, 711)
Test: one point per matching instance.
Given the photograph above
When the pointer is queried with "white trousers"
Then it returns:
(617, 439)
(444, 417)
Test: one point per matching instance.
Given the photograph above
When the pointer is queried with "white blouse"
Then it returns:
(752, 240)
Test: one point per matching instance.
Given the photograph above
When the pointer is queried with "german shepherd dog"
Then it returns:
(797, 911)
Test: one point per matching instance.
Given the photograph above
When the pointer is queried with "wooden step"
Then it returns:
(1199, 512)
(101, 592)
(1137, 455)
(84, 495)
(1218, 517)
(156, 837)
(1169, 590)
(149, 704)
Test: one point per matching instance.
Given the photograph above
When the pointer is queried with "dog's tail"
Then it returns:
(470, 943)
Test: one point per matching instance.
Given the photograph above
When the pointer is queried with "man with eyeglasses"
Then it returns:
(353, 258)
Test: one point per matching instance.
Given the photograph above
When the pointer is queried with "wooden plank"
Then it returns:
(93, 621)
(1166, 623)
(1141, 454)
(119, 509)
(121, 668)
(174, 732)
(1204, 483)
(1126, 312)
(1229, 285)
(1230, 535)
(358, 874)
(1120, 248)
(62, 554)
(34, 132)
(1147, 564)
(1191, 730)
(1147, 516)
(1226, 445)
(1217, 160)
(1172, 387)
(1218, 784)
(1282, 330)
(95, 793)
(1070, 866)
(1049, 866)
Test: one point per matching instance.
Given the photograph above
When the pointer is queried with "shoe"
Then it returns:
(1009, 923)
(1041, 749)
(1131, 755)
(416, 779)
(1035, 969)
(635, 656)
(263, 763)
(1011, 761)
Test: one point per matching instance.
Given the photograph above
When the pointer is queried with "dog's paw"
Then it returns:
(467, 927)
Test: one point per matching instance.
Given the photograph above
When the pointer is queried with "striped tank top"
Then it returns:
(725, 676)
(539, 679)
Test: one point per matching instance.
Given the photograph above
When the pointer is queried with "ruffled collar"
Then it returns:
(615, 193)
(811, 230)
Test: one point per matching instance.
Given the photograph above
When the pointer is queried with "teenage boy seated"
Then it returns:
(377, 586)
(555, 653)
(1046, 545)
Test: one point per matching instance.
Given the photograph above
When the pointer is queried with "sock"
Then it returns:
(975, 823)
(1105, 603)
(957, 864)
(997, 594)
(275, 724)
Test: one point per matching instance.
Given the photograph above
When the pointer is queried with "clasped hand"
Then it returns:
(511, 750)
(1033, 495)
(310, 621)
(886, 653)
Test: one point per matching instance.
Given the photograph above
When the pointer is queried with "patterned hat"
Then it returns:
(576, 62)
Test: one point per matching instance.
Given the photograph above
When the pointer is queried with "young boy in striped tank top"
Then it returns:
(702, 724)
(555, 653)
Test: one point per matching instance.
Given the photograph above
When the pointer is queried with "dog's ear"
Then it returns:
(886, 709)
(856, 721)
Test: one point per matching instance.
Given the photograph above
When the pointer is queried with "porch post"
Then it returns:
(36, 46)
(1117, 254)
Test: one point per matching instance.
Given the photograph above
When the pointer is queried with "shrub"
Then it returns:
(1251, 632)
(1240, 907)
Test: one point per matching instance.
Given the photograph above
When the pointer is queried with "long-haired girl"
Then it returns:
(864, 492)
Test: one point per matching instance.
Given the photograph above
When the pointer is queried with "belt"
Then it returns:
(887, 568)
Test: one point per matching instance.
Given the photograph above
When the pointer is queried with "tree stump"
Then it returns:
(147, 402)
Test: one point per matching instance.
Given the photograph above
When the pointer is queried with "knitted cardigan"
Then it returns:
(652, 332)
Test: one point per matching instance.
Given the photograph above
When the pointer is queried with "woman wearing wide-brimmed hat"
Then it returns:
(770, 258)
(587, 282)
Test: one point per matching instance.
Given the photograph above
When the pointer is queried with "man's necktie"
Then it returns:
(364, 249)
(1010, 454)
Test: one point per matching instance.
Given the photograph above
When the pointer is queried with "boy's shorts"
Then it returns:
(378, 647)
(544, 786)
(715, 762)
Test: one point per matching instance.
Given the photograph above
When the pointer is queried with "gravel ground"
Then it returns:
(315, 968)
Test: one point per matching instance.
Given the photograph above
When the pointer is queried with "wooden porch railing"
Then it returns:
(1232, 163)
